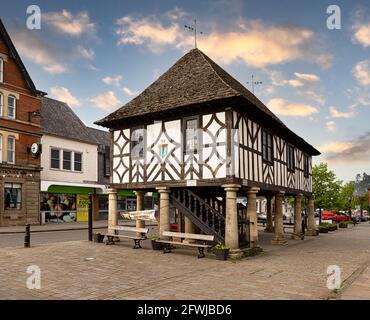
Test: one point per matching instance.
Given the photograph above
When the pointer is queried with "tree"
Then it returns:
(346, 198)
(326, 187)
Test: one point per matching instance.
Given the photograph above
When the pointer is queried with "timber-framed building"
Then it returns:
(202, 139)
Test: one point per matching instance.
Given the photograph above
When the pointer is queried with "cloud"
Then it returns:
(113, 81)
(148, 31)
(357, 150)
(286, 108)
(309, 94)
(301, 80)
(85, 53)
(106, 101)
(73, 25)
(334, 113)
(129, 92)
(63, 94)
(335, 146)
(92, 67)
(30, 46)
(362, 35)
(253, 42)
(361, 71)
(307, 77)
(331, 126)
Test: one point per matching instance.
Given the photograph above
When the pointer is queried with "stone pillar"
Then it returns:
(189, 228)
(311, 223)
(231, 221)
(164, 209)
(140, 206)
(112, 209)
(297, 233)
(279, 227)
(252, 216)
(269, 225)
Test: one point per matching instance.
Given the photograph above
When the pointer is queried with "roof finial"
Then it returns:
(194, 28)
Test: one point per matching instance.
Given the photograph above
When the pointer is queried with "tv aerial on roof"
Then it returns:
(194, 29)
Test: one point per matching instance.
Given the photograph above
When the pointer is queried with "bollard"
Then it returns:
(90, 219)
(27, 237)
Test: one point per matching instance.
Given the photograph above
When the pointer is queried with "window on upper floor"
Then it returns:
(54, 158)
(1, 104)
(107, 162)
(306, 166)
(11, 107)
(11, 149)
(1, 148)
(137, 143)
(290, 157)
(191, 135)
(77, 161)
(67, 155)
(267, 146)
(1, 70)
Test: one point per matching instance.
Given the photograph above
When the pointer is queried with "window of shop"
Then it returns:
(55, 158)
(77, 161)
(11, 149)
(12, 196)
(58, 207)
(11, 107)
(67, 160)
(1, 148)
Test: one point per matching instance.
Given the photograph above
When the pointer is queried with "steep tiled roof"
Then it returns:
(58, 119)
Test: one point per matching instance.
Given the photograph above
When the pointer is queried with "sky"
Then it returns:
(98, 55)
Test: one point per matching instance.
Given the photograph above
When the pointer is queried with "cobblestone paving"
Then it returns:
(296, 271)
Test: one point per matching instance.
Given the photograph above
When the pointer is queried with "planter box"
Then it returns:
(98, 237)
(157, 245)
(343, 225)
(221, 254)
(323, 230)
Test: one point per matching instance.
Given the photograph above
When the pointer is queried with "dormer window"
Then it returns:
(11, 107)
(1, 70)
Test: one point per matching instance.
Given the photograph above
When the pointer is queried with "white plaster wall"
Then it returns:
(89, 160)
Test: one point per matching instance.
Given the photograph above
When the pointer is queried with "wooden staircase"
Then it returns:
(207, 217)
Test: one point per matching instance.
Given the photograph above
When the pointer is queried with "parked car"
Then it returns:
(336, 217)
(261, 217)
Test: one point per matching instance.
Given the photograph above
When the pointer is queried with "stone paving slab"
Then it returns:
(296, 271)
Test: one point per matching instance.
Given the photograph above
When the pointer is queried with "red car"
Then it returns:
(337, 217)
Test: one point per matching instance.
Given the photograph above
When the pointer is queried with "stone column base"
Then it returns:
(312, 232)
(297, 236)
(279, 241)
(235, 254)
(269, 229)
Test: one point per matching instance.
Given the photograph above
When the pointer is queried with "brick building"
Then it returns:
(20, 135)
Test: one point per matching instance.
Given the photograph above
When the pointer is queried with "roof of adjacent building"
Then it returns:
(194, 79)
(58, 119)
(13, 53)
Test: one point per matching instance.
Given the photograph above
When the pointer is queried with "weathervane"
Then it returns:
(194, 28)
(254, 82)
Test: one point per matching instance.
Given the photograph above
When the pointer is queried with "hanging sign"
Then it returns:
(145, 215)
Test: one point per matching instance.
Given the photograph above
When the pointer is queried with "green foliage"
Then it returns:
(154, 237)
(326, 187)
(220, 246)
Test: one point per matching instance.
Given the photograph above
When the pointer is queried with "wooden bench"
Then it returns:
(143, 235)
(167, 244)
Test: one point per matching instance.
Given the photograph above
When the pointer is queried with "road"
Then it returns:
(17, 239)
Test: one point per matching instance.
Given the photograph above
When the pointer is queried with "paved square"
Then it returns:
(296, 271)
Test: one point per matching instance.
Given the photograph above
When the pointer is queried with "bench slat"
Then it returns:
(193, 236)
(185, 244)
(122, 236)
(131, 229)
